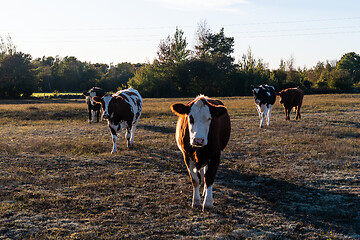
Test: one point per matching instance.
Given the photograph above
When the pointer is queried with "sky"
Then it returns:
(115, 31)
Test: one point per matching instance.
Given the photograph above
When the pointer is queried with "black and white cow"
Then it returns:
(93, 107)
(265, 97)
(121, 110)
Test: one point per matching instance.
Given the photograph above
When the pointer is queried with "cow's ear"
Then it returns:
(97, 99)
(217, 111)
(86, 94)
(180, 109)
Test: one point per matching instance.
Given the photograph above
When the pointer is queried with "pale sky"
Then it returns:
(110, 31)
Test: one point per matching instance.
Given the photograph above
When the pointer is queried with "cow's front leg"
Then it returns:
(209, 181)
(114, 139)
(196, 200)
(90, 115)
(93, 115)
(202, 174)
(263, 113)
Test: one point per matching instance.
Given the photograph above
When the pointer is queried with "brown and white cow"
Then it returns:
(289, 98)
(122, 110)
(202, 132)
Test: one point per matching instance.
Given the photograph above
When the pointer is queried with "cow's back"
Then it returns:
(297, 96)
(134, 101)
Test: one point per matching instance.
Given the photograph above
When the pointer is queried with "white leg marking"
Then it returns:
(127, 137)
(93, 115)
(202, 173)
(208, 201)
(269, 115)
(263, 114)
(196, 201)
(114, 139)
(132, 134)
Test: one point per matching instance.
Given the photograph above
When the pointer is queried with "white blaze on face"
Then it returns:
(106, 100)
(199, 123)
(256, 91)
(91, 95)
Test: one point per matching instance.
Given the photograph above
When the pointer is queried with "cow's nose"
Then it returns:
(106, 116)
(199, 141)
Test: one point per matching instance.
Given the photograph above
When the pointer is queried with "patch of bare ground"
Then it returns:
(292, 180)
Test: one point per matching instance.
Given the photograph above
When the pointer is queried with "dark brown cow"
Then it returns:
(202, 132)
(289, 98)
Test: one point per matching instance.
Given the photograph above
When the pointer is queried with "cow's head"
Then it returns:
(108, 104)
(199, 114)
(95, 91)
(283, 96)
(90, 95)
(259, 93)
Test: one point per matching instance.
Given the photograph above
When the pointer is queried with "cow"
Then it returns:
(121, 110)
(265, 97)
(202, 132)
(289, 98)
(93, 107)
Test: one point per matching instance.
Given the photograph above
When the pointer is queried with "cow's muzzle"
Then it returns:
(106, 116)
(198, 142)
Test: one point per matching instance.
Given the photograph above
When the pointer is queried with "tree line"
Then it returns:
(177, 71)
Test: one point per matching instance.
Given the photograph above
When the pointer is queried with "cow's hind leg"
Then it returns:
(298, 115)
(287, 113)
(97, 115)
(129, 135)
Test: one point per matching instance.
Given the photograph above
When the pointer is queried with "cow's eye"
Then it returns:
(191, 120)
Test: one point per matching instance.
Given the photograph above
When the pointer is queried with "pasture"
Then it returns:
(292, 180)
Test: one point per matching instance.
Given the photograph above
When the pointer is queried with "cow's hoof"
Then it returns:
(196, 205)
(113, 152)
(207, 209)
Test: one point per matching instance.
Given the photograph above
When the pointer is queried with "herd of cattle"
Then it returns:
(202, 131)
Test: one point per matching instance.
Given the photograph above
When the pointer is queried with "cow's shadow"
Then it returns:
(153, 128)
(323, 209)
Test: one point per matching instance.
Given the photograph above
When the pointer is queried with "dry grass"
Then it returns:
(292, 180)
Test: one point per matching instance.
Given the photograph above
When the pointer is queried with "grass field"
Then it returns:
(292, 180)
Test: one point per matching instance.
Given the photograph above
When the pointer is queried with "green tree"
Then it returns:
(340, 79)
(117, 77)
(351, 63)
(151, 81)
(17, 75)
(173, 49)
